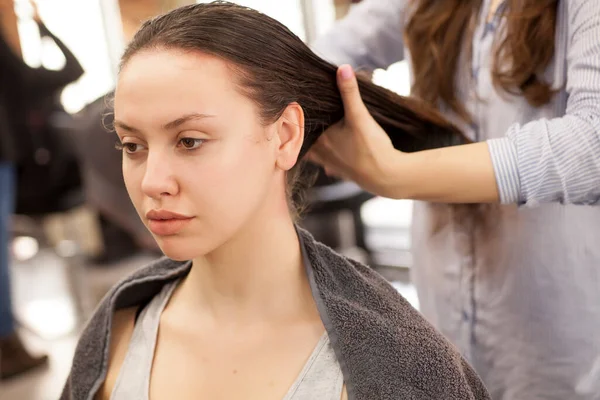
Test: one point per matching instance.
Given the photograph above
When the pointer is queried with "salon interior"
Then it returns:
(66, 256)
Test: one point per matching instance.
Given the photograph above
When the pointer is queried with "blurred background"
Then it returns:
(67, 254)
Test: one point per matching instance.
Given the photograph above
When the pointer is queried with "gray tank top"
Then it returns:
(320, 378)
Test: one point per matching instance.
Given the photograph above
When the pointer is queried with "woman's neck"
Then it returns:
(257, 276)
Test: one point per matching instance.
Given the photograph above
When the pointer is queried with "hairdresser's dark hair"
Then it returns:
(275, 68)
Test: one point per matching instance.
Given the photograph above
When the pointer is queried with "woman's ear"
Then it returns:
(290, 129)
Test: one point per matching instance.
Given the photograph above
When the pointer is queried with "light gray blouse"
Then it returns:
(321, 377)
(518, 291)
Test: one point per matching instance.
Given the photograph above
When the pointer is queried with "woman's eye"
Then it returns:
(129, 148)
(190, 143)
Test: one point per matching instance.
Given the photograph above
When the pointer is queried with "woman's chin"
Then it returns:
(177, 256)
(179, 250)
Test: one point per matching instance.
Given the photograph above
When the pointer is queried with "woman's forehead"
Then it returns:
(174, 77)
(176, 70)
(159, 86)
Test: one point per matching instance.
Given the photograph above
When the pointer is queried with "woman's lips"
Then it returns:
(167, 227)
(166, 223)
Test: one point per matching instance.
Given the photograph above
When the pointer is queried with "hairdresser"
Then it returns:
(517, 289)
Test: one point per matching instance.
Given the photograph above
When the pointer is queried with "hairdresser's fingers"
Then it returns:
(317, 156)
(332, 173)
(335, 134)
(314, 157)
(329, 152)
(330, 164)
(348, 86)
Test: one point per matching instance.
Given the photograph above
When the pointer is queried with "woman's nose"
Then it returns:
(159, 179)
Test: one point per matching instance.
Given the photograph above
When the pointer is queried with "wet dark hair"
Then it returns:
(275, 68)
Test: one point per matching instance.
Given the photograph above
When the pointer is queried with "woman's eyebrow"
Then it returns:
(126, 127)
(168, 126)
(185, 118)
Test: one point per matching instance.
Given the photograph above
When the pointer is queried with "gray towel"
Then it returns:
(385, 347)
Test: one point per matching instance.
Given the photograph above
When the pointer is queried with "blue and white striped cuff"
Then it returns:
(506, 169)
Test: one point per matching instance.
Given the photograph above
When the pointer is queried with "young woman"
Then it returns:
(517, 289)
(214, 106)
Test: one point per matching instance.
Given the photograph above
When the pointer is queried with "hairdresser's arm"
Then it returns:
(369, 37)
(543, 161)
(358, 149)
(558, 160)
(461, 174)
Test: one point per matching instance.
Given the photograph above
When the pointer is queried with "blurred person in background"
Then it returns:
(516, 289)
(27, 98)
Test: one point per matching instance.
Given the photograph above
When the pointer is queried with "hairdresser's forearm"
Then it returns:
(461, 174)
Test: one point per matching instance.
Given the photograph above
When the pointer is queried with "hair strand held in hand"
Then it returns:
(274, 68)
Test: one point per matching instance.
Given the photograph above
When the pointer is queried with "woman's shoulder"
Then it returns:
(123, 322)
(108, 325)
(381, 338)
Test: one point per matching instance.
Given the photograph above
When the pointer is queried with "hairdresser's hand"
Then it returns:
(356, 148)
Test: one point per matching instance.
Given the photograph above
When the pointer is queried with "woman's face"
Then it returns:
(198, 163)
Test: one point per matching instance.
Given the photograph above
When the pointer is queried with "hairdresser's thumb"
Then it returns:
(348, 85)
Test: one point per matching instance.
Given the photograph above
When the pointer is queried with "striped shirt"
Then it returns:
(546, 160)
(517, 290)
